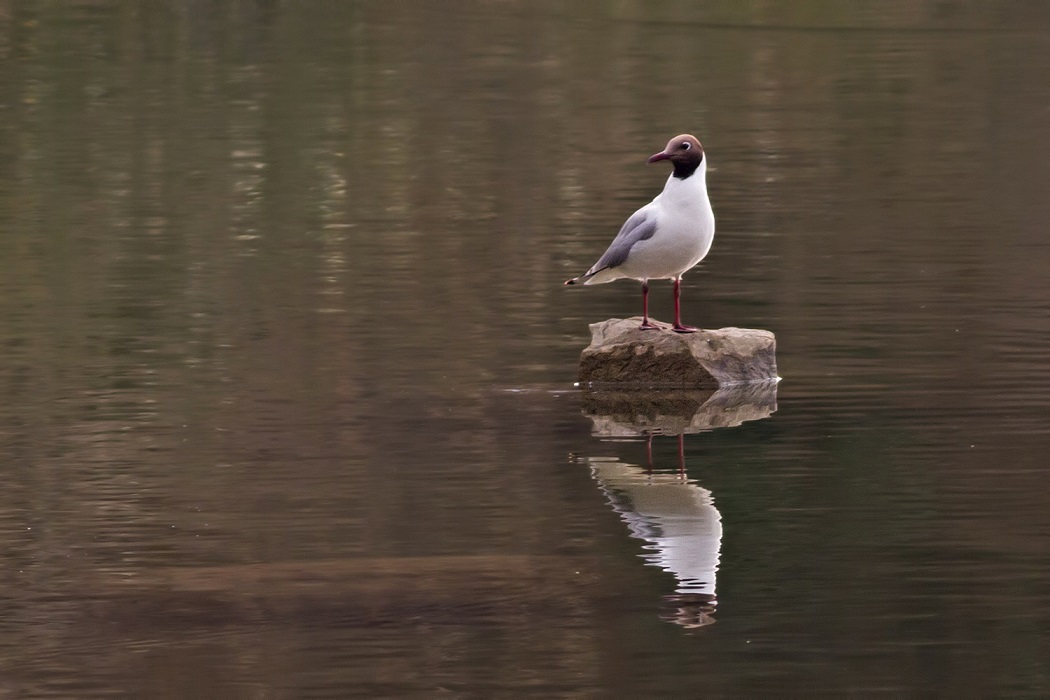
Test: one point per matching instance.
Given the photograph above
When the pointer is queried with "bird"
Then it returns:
(668, 236)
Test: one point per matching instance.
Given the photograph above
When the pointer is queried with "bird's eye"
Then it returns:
(686, 145)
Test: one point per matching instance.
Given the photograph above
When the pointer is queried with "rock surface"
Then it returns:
(621, 354)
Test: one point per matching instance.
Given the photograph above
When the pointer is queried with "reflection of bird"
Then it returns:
(666, 237)
(678, 520)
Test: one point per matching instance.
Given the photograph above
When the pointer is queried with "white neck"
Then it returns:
(690, 192)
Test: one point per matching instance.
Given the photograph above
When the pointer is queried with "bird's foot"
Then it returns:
(679, 328)
(650, 326)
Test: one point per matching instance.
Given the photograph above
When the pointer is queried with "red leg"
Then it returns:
(679, 328)
(646, 326)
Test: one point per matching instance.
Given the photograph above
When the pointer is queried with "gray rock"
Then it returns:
(621, 354)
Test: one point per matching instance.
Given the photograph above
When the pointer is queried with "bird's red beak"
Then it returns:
(662, 155)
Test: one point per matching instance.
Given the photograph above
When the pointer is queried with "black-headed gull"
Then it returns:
(666, 237)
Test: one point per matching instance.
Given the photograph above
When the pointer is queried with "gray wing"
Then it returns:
(641, 226)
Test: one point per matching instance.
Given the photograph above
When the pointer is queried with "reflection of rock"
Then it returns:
(677, 411)
(622, 354)
(678, 521)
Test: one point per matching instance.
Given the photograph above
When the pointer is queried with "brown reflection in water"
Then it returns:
(635, 413)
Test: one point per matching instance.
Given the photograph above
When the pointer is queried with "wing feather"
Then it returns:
(639, 227)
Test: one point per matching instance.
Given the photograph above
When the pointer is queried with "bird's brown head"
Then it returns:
(684, 152)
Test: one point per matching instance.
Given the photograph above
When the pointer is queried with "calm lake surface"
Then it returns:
(286, 366)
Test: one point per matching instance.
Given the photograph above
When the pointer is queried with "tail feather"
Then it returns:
(582, 279)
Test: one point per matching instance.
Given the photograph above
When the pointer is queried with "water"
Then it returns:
(286, 403)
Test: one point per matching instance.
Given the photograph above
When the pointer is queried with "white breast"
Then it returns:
(685, 229)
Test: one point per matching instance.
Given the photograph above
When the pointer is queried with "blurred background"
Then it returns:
(286, 366)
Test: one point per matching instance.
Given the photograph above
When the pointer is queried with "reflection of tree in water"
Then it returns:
(680, 525)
